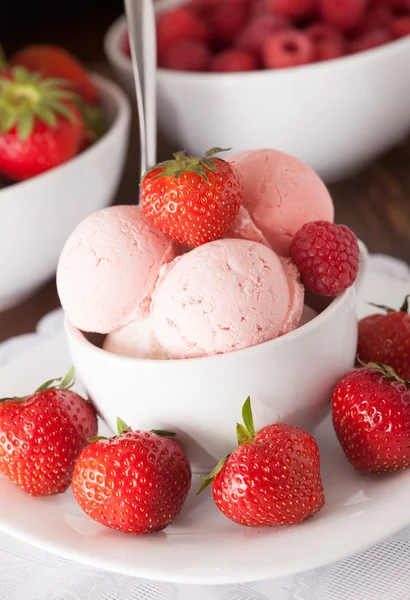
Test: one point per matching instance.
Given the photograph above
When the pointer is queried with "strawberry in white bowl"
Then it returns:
(55, 170)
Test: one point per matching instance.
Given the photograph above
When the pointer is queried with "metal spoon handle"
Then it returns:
(141, 28)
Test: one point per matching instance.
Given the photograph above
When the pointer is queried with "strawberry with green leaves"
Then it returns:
(193, 200)
(370, 409)
(385, 338)
(53, 61)
(136, 482)
(40, 126)
(42, 435)
(272, 478)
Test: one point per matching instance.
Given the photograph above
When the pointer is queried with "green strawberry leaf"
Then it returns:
(242, 434)
(69, 380)
(121, 426)
(45, 114)
(96, 438)
(163, 433)
(207, 480)
(216, 150)
(60, 383)
(183, 163)
(405, 306)
(25, 125)
(247, 416)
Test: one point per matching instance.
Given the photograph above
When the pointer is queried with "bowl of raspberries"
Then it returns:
(324, 80)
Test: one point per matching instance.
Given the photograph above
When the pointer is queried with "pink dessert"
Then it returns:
(224, 296)
(245, 229)
(136, 339)
(281, 195)
(109, 267)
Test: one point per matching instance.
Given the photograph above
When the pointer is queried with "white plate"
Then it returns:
(203, 547)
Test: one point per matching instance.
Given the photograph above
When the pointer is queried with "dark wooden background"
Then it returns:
(375, 203)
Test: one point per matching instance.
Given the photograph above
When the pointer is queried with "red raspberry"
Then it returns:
(343, 14)
(369, 39)
(377, 17)
(254, 36)
(400, 27)
(259, 7)
(186, 55)
(392, 3)
(327, 257)
(328, 42)
(288, 48)
(176, 25)
(291, 8)
(225, 22)
(234, 60)
(202, 7)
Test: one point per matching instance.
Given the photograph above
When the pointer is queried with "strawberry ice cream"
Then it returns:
(136, 340)
(223, 296)
(281, 195)
(245, 229)
(109, 267)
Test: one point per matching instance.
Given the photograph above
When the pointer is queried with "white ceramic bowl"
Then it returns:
(200, 399)
(37, 215)
(336, 116)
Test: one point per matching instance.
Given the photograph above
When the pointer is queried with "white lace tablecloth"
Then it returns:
(380, 573)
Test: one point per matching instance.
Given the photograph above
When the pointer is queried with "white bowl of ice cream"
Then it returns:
(38, 215)
(191, 335)
(336, 115)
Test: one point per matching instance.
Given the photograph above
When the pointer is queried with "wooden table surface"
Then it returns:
(375, 203)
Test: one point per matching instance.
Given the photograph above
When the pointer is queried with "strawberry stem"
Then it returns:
(244, 432)
(192, 164)
(96, 438)
(163, 433)
(384, 370)
(62, 383)
(382, 307)
(122, 427)
(404, 307)
(207, 480)
(26, 97)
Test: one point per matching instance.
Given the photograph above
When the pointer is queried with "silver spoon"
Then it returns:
(142, 35)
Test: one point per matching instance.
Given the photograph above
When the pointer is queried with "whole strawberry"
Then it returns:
(327, 256)
(385, 338)
(42, 435)
(40, 127)
(193, 200)
(370, 409)
(53, 61)
(135, 482)
(272, 478)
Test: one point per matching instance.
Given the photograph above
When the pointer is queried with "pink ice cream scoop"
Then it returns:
(245, 229)
(225, 296)
(109, 267)
(281, 195)
(136, 339)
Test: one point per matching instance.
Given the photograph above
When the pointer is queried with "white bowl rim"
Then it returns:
(122, 116)
(330, 311)
(115, 33)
